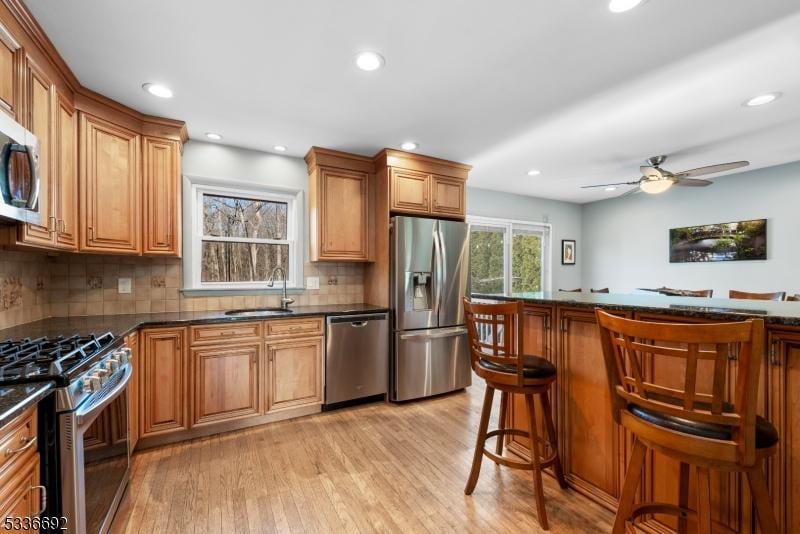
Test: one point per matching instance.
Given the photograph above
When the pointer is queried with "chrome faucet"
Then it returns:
(285, 301)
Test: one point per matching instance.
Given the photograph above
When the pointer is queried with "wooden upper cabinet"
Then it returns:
(110, 183)
(340, 206)
(410, 191)
(162, 197)
(164, 387)
(40, 120)
(67, 175)
(448, 196)
(11, 57)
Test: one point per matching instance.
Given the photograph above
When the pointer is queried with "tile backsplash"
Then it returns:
(34, 286)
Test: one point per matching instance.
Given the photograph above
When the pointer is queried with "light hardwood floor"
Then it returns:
(375, 468)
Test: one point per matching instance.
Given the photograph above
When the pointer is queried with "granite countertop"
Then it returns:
(781, 313)
(16, 399)
(120, 325)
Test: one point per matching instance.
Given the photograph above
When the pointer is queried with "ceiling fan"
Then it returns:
(656, 180)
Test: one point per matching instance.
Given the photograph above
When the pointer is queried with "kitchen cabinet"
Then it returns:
(66, 175)
(162, 197)
(340, 206)
(11, 57)
(448, 196)
(783, 355)
(110, 183)
(164, 388)
(294, 374)
(226, 382)
(410, 191)
(132, 342)
(21, 496)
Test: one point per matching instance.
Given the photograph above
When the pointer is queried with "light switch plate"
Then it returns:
(123, 285)
(312, 282)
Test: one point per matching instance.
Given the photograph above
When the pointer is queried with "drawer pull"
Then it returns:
(27, 444)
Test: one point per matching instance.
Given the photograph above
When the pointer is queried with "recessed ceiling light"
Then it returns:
(370, 61)
(534, 172)
(620, 6)
(155, 89)
(409, 145)
(279, 148)
(213, 136)
(761, 100)
(612, 188)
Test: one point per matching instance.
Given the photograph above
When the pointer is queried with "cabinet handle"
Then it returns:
(63, 226)
(773, 353)
(90, 231)
(42, 498)
(27, 444)
(563, 324)
(53, 220)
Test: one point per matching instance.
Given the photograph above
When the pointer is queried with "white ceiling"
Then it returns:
(562, 86)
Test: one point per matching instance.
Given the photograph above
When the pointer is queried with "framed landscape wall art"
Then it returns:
(735, 241)
(568, 252)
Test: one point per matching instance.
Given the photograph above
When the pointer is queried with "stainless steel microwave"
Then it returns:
(19, 173)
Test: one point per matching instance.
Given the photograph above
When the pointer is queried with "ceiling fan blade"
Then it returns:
(609, 185)
(630, 192)
(690, 182)
(722, 167)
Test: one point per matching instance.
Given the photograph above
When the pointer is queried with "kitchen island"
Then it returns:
(594, 450)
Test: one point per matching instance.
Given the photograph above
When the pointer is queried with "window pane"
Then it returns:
(243, 217)
(241, 262)
(526, 261)
(486, 259)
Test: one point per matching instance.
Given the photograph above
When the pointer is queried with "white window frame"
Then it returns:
(294, 216)
(509, 225)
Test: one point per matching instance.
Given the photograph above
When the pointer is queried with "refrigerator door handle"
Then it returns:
(442, 264)
(438, 273)
(450, 332)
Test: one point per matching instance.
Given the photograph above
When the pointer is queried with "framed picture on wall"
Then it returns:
(568, 252)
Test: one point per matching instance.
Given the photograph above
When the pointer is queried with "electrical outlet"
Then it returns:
(312, 282)
(123, 285)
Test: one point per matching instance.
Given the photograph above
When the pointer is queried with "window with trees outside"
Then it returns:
(509, 256)
(240, 236)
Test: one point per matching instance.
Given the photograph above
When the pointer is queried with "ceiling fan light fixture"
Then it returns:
(654, 187)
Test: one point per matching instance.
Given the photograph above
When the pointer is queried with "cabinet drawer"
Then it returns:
(293, 327)
(18, 438)
(215, 333)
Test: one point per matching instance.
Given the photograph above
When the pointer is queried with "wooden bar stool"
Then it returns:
(495, 341)
(687, 424)
(734, 294)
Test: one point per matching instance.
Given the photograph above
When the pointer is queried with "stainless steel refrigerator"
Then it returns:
(429, 278)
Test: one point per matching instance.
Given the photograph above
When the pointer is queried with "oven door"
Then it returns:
(94, 456)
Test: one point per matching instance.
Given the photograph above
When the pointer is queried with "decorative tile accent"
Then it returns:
(158, 281)
(94, 282)
(11, 293)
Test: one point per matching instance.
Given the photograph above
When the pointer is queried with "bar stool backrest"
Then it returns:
(495, 336)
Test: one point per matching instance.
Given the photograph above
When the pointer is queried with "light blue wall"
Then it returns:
(626, 241)
(564, 216)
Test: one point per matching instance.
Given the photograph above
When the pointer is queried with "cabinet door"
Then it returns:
(110, 180)
(67, 174)
(40, 121)
(344, 215)
(164, 398)
(410, 191)
(447, 196)
(11, 57)
(589, 437)
(162, 197)
(225, 382)
(294, 375)
(132, 342)
(784, 412)
(20, 493)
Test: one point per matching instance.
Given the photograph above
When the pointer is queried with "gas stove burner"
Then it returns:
(29, 359)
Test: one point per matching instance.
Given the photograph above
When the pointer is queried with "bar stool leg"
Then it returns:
(551, 431)
(628, 496)
(683, 497)
(538, 488)
(703, 500)
(502, 422)
(481, 441)
(758, 487)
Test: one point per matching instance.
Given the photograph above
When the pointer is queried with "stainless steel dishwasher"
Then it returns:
(356, 357)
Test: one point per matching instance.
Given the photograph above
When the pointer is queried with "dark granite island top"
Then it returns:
(16, 399)
(778, 313)
(120, 325)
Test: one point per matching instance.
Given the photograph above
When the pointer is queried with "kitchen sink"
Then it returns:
(257, 312)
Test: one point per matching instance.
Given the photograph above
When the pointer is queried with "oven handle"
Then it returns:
(85, 417)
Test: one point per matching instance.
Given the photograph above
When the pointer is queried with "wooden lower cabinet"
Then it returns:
(20, 494)
(225, 382)
(164, 388)
(294, 373)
